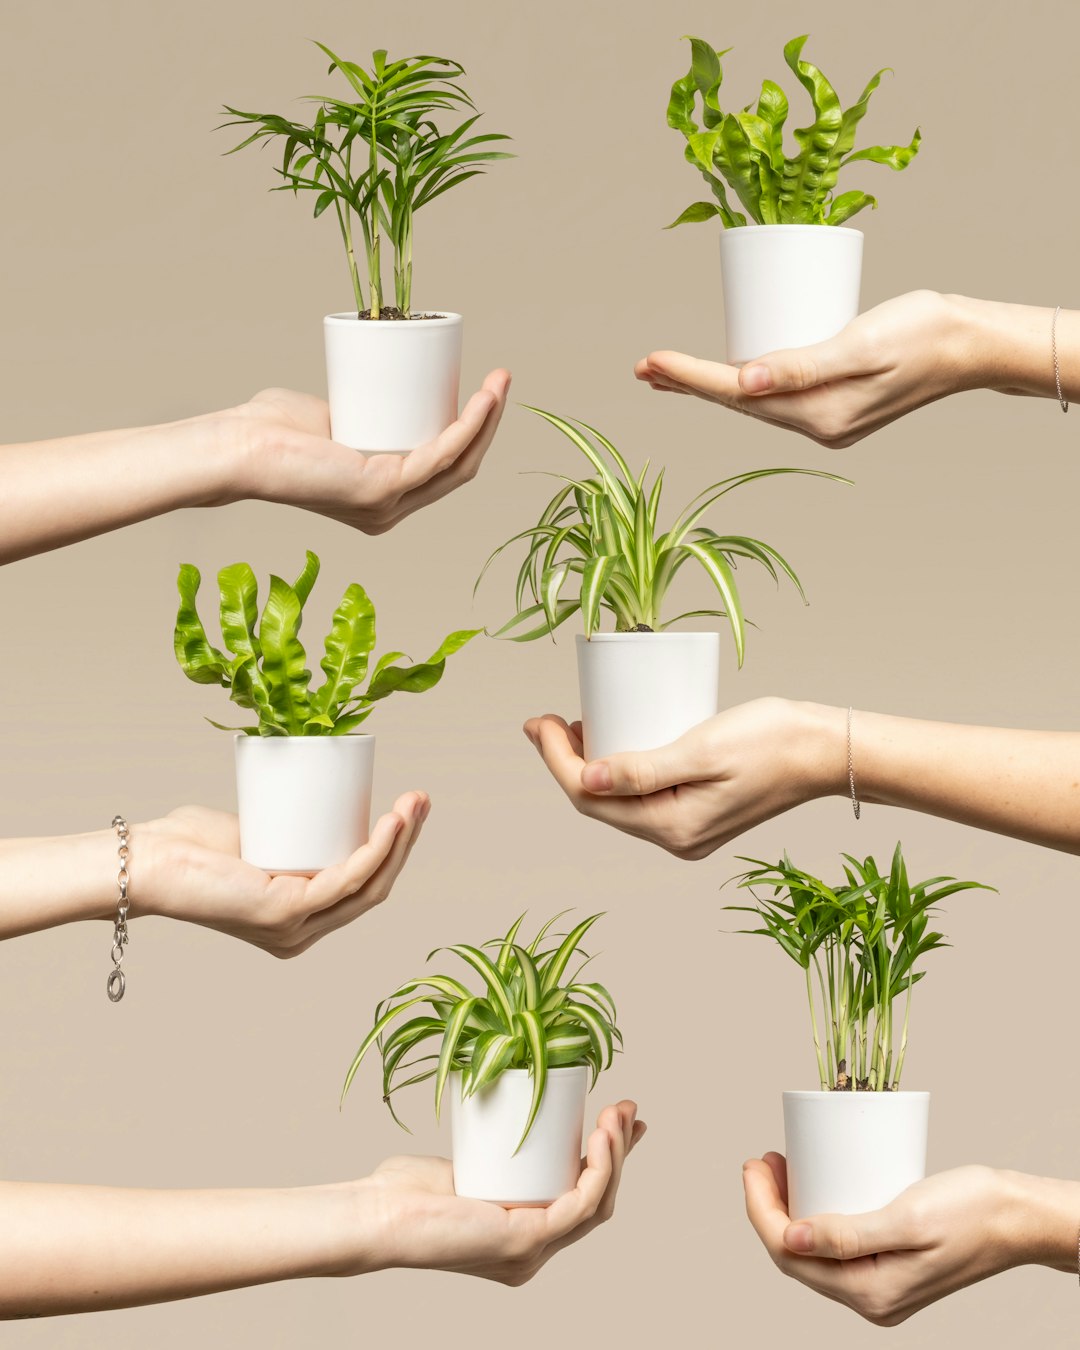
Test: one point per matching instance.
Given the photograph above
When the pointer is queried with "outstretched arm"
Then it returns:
(941, 1235)
(893, 359)
(276, 448)
(66, 1249)
(755, 761)
(187, 866)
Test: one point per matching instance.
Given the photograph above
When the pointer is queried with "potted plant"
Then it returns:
(303, 771)
(598, 546)
(375, 158)
(516, 1061)
(858, 1140)
(787, 281)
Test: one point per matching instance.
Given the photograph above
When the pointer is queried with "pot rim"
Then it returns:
(444, 319)
(346, 736)
(518, 1073)
(696, 635)
(801, 1094)
(764, 229)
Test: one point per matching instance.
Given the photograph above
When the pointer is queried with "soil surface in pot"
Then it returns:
(845, 1083)
(392, 312)
(641, 628)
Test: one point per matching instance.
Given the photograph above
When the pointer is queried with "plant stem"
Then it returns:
(903, 1038)
(813, 1022)
(374, 261)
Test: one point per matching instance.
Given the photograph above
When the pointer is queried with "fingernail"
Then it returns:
(756, 379)
(799, 1238)
(596, 777)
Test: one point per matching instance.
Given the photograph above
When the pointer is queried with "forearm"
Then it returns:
(57, 492)
(1039, 1221)
(1025, 784)
(1008, 347)
(66, 1249)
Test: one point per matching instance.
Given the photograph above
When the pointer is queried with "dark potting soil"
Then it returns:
(844, 1083)
(641, 628)
(392, 312)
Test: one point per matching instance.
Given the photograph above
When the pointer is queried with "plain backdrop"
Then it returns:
(145, 277)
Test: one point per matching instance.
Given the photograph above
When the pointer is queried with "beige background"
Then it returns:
(143, 277)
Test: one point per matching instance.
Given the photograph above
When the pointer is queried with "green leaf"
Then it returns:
(528, 1024)
(723, 579)
(307, 578)
(454, 1027)
(347, 649)
(416, 679)
(198, 660)
(283, 656)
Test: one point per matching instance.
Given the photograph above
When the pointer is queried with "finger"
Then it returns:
(639, 773)
(428, 461)
(798, 368)
(845, 1237)
(708, 379)
(765, 1208)
(777, 1165)
(570, 1212)
(378, 886)
(343, 879)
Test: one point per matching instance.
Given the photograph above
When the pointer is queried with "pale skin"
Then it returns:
(895, 358)
(944, 1233)
(276, 447)
(66, 1249)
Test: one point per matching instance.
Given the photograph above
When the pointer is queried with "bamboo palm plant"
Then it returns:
(859, 944)
(600, 538)
(533, 1015)
(743, 152)
(378, 157)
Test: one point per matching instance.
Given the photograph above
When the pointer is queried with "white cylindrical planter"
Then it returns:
(485, 1129)
(392, 383)
(304, 801)
(643, 690)
(852, 1152)
(787, 285)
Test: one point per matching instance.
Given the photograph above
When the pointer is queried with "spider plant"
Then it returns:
(744, 151)
(379, 157)
(859, 942)
(599, 535)
(532, 1015)
(265, 670)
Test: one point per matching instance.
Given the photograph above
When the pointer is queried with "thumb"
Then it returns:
(638, 773)
(801, 367)
(847, 1236)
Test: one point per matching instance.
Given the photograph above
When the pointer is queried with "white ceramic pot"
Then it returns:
(304, 801)
(392, 383)
(787, 285)
(643, 690)
(851, 1152)
(485, 1129)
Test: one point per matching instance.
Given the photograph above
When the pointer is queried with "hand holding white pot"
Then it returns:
(434, 1229)
(944, 1233)
(291, 458)
(893, 359)
(187, 866)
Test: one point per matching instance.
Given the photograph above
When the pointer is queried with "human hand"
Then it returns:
(187, 866)
(940, 1235)
(287, 456)
(434, 1229)
(889, 361)
(734, 771)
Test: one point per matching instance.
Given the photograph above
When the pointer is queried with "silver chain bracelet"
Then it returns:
(1057, 365)
(856, 805)
(117, 981)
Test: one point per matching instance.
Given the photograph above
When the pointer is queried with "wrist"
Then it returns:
(1004, 347)
(1041, 1220)
(220, 448)
(817, 738)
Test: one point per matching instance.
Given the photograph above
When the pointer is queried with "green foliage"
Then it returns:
(599, 536)
(265, 665)
(532, 1015)
(743, 152)
(378, 156)
(860, 941)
